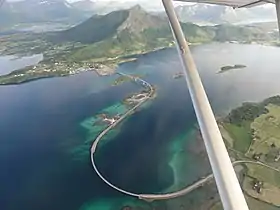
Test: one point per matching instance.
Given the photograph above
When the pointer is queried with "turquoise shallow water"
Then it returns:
(46, 133)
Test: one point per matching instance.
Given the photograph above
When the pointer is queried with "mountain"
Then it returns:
(134, 30)
(132, 21)
(209, 14)
(238, 33)
(19, 12)
(85, 5)
(200, 13)
(103, 7)
(122, 32)
(38, 11)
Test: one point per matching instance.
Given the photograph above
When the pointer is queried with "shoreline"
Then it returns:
(111, 63)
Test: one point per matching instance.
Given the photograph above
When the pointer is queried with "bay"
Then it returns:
(40, 124)
(11, 63)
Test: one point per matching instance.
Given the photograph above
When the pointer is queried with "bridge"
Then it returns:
(136, 79)
(152, 197)
(227, 183)
(147, 197)
(162, 196)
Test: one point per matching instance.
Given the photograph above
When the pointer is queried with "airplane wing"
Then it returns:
(227, 183)
(233, 3)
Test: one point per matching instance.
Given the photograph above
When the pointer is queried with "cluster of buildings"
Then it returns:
(101, 69)
(273, 150)
(257, 186)
(109, 120)
(18, 75)
(66, 68)
(58, 67)
(136, 98)
(277, 157)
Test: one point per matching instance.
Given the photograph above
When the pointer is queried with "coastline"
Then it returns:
(73, 68)
(110, 64)
(17, 77)
(95, 191)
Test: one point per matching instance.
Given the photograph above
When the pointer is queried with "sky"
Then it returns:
(147, 4)
(122, 1)
(154, 2)
(150, 4)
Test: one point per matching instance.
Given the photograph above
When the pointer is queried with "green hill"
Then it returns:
(32, 12)
(97, 28)
(131, 31)
(126, 43)
(238, 33)
(125, 32)
(94, 29)
(110, 40)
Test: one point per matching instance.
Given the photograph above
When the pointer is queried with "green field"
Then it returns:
(263, 173)
(252, 203)
(253, 130)
(269, 194)
(259, 205)
(267, 133)
(217, 206)
(240, 134)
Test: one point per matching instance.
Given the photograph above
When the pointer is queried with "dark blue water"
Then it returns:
(37, 120)
(39, 123)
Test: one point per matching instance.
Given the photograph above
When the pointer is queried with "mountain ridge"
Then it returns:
(133, 21)
(138, 20)
(117, 37)
(135, 30)
(62, 11)
(39, 11)
(215, 14)
(85, 5)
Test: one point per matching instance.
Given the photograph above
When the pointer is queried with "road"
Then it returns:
(147, 197)
(104, 132)
(255, 162)
(99, 137)
(201, 182)
(152, 197)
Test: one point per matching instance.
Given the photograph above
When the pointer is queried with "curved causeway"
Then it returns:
(152, 197)
(147, 197)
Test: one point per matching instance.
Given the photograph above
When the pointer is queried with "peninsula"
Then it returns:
(228, 68)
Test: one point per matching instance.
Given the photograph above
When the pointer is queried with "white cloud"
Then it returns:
(147, 4)
(154, 2)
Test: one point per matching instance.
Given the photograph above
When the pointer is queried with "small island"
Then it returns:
(178, 75)
(125, 78)
(228, 68)
(120, 80)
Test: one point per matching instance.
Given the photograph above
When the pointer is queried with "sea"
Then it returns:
(45, 138)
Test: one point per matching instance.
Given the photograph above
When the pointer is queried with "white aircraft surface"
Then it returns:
(227, 183)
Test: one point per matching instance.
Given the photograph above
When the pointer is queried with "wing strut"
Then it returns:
(227, 183)
(252, 4)
(277, 6)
